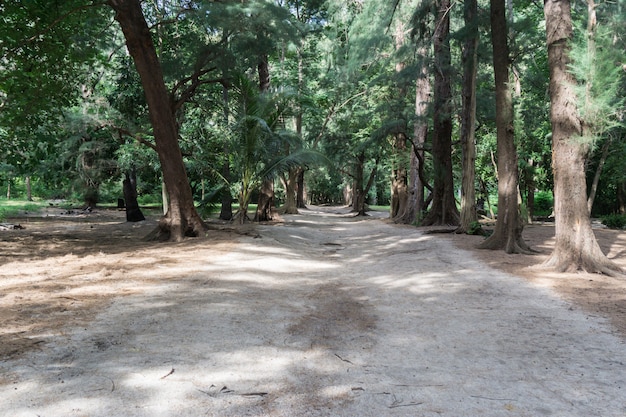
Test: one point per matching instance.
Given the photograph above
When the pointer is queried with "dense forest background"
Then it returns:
(290, 102)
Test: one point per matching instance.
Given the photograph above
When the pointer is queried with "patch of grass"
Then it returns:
(614, 221)
(16, 208)
(379, 208)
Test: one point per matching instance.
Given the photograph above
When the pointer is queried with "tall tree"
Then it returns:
(575, 247)
(468, 116)
(508, 232)
(181, 219)
(443, 210)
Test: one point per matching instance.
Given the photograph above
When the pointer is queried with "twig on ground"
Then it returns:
(168, 374)
(345, 360)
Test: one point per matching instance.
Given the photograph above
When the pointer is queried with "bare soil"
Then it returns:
(599, 295)
(319, 314)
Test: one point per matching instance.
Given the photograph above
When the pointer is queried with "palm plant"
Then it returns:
(260, 142)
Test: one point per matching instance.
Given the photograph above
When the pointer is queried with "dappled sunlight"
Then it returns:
(333, 316)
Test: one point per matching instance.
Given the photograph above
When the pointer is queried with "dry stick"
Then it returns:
(404, 405)
(345, 360)
(168, 374)
(492, 399)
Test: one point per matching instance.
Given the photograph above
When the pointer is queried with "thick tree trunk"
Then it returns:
(181, 219)
(575, 247)
(443, 210)
(399, 179)
(468, 118)
(133, 212)
(266, 202)
(399, 174)
(508, 232)
(290, 183)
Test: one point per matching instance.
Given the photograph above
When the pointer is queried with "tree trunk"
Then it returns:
(575, 247)
(399, 174)
(29, 191)
(361, 190)
(399, 179)
(129, 186)
(300, 192)
(508, 232)
(443, 210)
(468, 118)
(290, 184)
(226, 211)
(181, 219)
(266, 202)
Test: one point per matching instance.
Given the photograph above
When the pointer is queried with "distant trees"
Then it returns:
(399, 95)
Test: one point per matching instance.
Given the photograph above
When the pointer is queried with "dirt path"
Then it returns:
(322, 315)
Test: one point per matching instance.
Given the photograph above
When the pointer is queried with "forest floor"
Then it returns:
(318, 314)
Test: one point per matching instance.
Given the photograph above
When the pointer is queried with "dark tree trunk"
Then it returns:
(508, 232)
(133, 212)
(181, 219)
(361, 190)
(300, 194)
(468, 117)
(443, 210)
(575, 247)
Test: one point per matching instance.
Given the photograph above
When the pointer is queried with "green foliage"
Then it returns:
(544, 203)
(597, 66)
(475, 228)
(614, 221)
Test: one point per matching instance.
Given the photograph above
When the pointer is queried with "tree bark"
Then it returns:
(508, 232)
(443, 210)
(181, 219)
(29, 192)
(468, 118)
(575, 247)
(399, 174)
(129, 186)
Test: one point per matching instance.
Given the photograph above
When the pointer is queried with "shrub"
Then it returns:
(543, 203)
(614, 221)
(475, 229)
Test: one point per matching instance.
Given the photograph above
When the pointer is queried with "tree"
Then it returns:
(508, 232)
(468, 117)
(575, 247)
(443, 210)
(181, 219)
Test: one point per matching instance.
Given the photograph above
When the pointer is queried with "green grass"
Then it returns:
(16, 208)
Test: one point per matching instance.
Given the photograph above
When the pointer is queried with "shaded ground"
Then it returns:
(598, 294)
(323, 314)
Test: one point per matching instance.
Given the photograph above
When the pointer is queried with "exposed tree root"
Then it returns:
(570, 264)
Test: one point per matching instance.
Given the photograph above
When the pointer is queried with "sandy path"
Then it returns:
(327, 315)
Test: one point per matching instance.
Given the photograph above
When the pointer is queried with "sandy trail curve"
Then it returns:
(325, 315)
